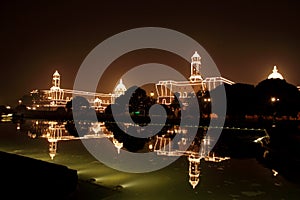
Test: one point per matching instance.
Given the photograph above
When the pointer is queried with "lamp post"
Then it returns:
(274, 101)
(151, 96)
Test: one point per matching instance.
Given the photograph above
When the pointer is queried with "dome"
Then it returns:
(195, 54)
(196, 57)
(275, 74)
(120, 88)
(56, 73)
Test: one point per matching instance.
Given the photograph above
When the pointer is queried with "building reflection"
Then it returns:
(55, 131)
(199, 149)
(195, 149)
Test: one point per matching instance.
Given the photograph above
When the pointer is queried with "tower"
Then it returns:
(54, 134)
(195, 68)
(56, 94)
(194, 169)
(56, 80)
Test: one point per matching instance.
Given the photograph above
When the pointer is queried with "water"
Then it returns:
(235, 178)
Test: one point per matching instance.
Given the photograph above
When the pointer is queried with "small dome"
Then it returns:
(275, 74)
(120, 88)
(97, 100)
(52, 155)
(56, 73)
(196, 55)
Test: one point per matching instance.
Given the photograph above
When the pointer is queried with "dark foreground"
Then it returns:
(28, 178)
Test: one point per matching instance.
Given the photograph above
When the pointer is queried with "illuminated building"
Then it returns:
(275, 74)
(57, 97)
(167, 88)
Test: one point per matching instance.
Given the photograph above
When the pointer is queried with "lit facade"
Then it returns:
(166, 89)
(57, 97)
(212, 82)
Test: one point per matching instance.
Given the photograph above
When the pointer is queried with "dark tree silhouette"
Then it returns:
(277, 96)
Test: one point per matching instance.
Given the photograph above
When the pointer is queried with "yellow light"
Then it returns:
(150, 146)
(275, 173)
(273, 99)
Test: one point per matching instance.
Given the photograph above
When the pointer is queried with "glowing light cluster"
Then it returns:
(275, 74)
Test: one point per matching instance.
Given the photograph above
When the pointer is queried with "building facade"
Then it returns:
(51, 99)
(186, 89)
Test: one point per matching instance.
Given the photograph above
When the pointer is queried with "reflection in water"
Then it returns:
(268, 173)
(196, 152)
(55, 131)
(118, 144)
(199, 149)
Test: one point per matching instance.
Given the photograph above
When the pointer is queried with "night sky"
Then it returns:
(245, 39)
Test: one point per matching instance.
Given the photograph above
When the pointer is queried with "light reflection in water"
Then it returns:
(240, 177)
(196, 152)
(55, 131)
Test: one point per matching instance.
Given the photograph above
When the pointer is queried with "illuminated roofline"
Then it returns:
(78, 92)
(178, 83)
(208, 79)
(218, 78)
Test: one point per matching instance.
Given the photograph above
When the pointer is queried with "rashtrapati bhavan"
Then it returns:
(58, 97)
(165, 89)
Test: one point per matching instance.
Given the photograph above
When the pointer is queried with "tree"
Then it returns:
(277, 96)
(240, 100)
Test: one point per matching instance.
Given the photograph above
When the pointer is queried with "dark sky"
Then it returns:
(244, 38)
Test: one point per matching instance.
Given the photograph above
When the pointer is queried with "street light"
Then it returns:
(273, 101)
(207, 99)
(151, 94)
(151, 97)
